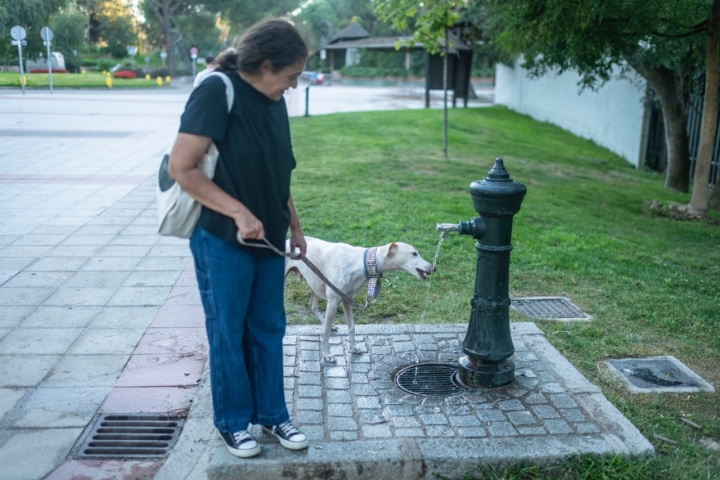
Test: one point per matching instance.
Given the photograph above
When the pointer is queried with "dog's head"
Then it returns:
(401, 256)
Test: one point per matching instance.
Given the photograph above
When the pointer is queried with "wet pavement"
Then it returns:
(99, 314)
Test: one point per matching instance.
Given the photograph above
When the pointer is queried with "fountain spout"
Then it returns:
(475, 228)
(445, 228)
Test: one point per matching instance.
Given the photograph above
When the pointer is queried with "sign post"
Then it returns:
(18, 34)
(163, 56)
(47, 36)
(132, 51)
(193, 55)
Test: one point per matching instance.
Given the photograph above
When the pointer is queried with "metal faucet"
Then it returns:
(445, 228)
(475, 228)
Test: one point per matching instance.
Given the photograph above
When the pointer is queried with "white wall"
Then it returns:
(612, 116)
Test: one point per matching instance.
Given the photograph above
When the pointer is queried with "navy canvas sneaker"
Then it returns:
(241, 443)
(289, 436)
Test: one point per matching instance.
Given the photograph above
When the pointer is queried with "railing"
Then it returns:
(656, 155)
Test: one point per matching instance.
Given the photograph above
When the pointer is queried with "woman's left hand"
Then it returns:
(297, 242)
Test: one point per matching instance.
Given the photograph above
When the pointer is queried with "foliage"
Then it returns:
(428, 20)
(323, 18)
(45, 70)
(125, 74)
(368, 72)
(68, 27)
(593, 37)
(104, 64)
(32, 15)
(114, 24)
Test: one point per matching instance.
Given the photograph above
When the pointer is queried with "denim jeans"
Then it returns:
(242, 295)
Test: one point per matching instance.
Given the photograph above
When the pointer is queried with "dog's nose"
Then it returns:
(432, 269)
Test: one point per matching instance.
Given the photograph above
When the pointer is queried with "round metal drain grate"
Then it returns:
(430, 380)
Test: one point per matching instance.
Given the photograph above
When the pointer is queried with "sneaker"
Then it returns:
(241, 443)
(289, 436)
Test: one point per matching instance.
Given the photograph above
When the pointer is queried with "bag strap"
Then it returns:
(229, 90)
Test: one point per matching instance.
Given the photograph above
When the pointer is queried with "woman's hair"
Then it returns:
(276, 40)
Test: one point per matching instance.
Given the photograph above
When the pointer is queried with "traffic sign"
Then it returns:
(132, 50)
(18, 33)
(194, 51)
(19, 42)
(46, 34)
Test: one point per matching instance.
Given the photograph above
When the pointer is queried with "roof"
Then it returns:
(351, 32)
(389, 43)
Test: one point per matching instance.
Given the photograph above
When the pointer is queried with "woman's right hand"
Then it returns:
(249, 227)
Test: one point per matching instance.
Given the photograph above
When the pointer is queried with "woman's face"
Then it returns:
(274, 84)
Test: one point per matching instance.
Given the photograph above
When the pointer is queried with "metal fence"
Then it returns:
(656, 155)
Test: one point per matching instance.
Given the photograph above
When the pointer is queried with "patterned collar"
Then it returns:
(370, 269)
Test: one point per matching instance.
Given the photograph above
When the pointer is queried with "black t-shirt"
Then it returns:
(256, 158)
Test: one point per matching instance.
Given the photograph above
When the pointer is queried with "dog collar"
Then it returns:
(370, 269)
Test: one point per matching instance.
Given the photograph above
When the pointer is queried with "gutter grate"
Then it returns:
(430, 380)
(549, 308)
(131, 436)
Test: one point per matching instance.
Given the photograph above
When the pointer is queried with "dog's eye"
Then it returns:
(414, 254)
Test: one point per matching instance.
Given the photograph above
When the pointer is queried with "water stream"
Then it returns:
(427, 302)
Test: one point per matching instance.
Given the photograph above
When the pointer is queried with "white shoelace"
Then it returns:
(243, 436)
(289, 430)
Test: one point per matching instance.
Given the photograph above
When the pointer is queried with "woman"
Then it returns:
(242, 287)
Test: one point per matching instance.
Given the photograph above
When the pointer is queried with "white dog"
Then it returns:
(348, 268)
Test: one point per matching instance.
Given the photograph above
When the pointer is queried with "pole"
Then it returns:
(49, 67)
(445, 94)
(22, 72)
(307, 101)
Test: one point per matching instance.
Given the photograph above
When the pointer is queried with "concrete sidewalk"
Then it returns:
(98, 314)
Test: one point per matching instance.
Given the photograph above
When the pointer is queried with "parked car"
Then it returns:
(313, 78)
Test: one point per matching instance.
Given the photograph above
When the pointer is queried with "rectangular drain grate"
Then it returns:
(133, 435)
(549, 308)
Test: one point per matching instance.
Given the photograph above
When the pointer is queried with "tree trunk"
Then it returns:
(669, 89)
(170, 49)
(163, 12)
(714, 201)
(700, 194)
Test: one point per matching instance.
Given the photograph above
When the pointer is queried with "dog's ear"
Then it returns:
(391, 249)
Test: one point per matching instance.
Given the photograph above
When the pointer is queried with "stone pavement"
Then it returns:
(98, 314)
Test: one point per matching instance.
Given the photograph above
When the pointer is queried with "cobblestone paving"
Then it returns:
(357, 398)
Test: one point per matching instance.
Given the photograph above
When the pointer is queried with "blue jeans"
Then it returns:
(242, 296)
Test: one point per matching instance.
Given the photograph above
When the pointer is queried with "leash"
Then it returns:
(310, 265)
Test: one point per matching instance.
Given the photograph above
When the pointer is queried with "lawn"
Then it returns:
(652, 284)
(73, 80)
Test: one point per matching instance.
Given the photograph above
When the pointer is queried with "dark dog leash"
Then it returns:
(310, 265)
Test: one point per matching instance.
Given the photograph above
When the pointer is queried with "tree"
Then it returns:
(32, 15)
(68, 27)
(698, 206)
(165, 11)
(659, 39)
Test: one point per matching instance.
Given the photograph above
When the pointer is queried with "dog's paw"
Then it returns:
(330, 358)
(356, 350)
(334, 327)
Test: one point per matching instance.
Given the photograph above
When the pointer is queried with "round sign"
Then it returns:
(18, 33)
(193, 51)
(46, 34)
(163, 54)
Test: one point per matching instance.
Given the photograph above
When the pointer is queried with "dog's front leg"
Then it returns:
(314, 308)
(351, 327)
(332, 303)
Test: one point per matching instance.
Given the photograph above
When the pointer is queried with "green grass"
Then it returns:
(651, 284)
(73, 80)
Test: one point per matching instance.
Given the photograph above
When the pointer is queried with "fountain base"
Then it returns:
(485, 374)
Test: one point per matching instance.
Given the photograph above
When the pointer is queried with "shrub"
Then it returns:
(355, 71)
(104, 64)
(44, 70)
(124, 74)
